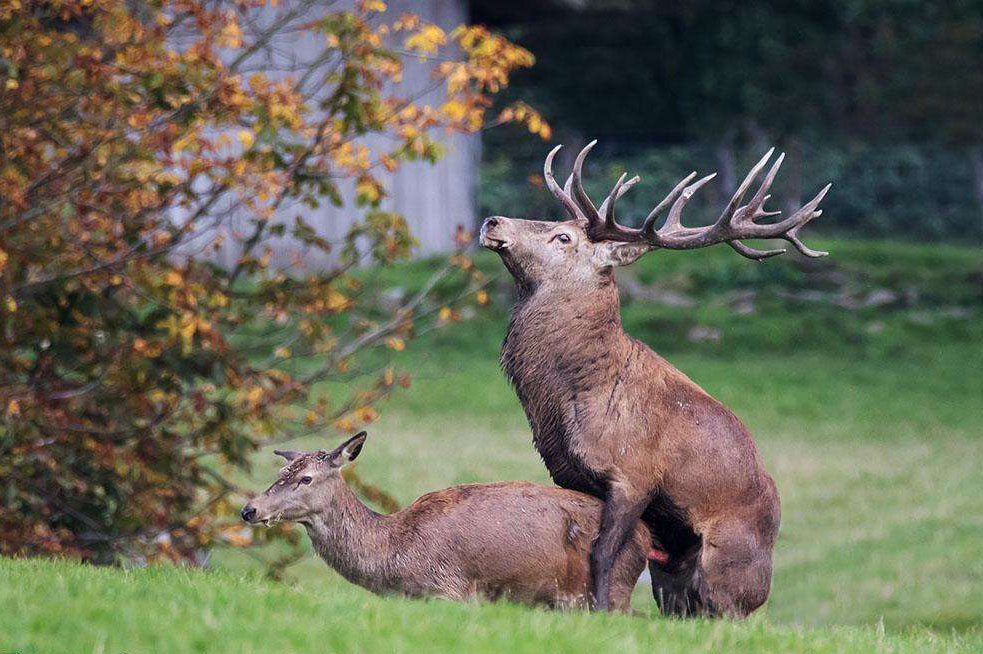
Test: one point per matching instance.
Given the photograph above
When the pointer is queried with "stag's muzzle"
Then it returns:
(491, 233)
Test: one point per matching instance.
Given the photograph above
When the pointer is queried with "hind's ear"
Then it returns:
(348, 450)
(289, 455)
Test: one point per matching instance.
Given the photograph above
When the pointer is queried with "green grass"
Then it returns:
(870, 418)
(63, 607)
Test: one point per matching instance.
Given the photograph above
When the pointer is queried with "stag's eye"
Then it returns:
(562, 238)
(305, 480)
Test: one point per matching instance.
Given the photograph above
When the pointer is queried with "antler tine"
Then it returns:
(620, 188)
(728, 214)
(751, 253)
(607, 207)
(798, 219)
(647, 226)
(558, 193)
(793, 237)
(673, 220)
(587, 207)
(751, 210)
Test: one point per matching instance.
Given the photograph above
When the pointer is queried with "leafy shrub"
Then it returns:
(135, 373)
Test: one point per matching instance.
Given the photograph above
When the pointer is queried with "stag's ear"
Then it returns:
(348, 450)
(289, 455)
(616, 253)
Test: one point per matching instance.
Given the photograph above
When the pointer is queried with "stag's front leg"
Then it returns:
(621, 511)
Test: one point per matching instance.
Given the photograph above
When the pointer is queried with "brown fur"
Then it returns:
(612, 418)
(511, 540)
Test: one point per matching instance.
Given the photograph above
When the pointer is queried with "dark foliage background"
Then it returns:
(881, 97)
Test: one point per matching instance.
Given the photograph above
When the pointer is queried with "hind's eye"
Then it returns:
(562, 238)
(305, 480)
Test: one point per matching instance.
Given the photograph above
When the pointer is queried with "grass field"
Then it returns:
(860, 377)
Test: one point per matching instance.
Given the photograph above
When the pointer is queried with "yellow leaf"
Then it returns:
(310, 419)
(246, 137)
(345, 424)
(254, 396)
(373, 5)
(366, 414)
(368, 190)
(3, 260)
(11, 304)
(455, 110)
(13, 408)
(388, 377)
(395, 343)
(281, 352)
(445, 313)
(336, 301)
(482, 297)
(172, 278)
(187, 329)
(427, 40)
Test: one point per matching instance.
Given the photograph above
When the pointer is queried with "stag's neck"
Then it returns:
(355, 541)
(562, 338)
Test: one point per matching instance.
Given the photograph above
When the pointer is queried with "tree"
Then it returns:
(134, 372)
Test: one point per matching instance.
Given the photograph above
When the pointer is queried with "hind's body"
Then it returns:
(514, 540)
(510, 540)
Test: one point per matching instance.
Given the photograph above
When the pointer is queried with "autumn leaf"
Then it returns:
(427, 40)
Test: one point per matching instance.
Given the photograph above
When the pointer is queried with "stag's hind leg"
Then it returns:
(678, 589)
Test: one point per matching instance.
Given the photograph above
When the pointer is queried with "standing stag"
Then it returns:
(612, 418)
(512, 540)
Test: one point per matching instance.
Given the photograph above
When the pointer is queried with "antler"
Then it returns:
(735, 223)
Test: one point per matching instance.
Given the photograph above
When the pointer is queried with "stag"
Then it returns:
(613, 419)
(511, 540)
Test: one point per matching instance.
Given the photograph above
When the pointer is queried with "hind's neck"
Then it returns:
(355, 541)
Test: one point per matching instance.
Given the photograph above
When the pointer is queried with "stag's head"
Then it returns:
(583, 250)
(306, 485)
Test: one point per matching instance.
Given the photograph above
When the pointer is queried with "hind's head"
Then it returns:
(309, 483)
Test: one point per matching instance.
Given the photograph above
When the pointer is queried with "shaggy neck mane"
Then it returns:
(559, 351)
(553, 328)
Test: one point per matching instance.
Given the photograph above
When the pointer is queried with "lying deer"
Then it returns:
(511, 540)
(613, 419)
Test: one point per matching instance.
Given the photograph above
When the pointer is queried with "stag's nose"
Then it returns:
(248, 513)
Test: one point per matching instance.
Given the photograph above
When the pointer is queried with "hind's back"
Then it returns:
(521, 541)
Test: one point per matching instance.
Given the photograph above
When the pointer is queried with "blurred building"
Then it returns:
(434, 198)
